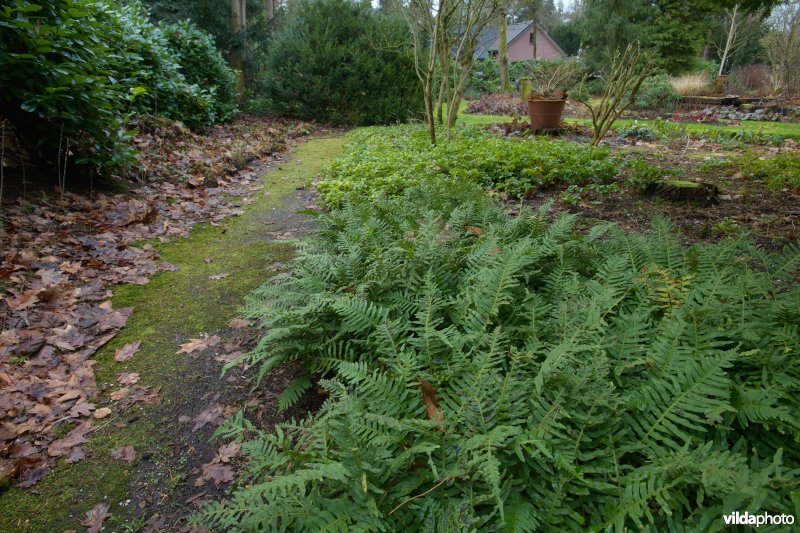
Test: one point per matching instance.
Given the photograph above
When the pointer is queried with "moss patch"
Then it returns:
(173, 307)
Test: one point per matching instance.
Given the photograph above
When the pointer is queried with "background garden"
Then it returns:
(316, 265)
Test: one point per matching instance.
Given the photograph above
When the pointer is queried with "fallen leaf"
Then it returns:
(120, 394)
(475, 230)
(74, 438)
(95, 518)
(102, 412)
(127, 351)
(125, 453)
(128, 378)
(50, 276)
(33, 476)
(200, 344)
(219, 276)
(227, 452)
(216, 472)
(431, 402)
(208, 260)
(213, 415)
(75, 454)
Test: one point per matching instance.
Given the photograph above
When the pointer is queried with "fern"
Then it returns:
(521, 376)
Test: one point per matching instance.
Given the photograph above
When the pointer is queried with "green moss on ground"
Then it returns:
(173, 307)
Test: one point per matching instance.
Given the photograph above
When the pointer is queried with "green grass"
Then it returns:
(171, 308)
(787, 129)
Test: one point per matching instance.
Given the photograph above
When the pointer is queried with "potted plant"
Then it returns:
(547, 95)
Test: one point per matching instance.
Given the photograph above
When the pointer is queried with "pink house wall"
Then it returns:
(522, 48)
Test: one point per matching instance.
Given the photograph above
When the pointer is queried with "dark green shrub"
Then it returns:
(657, 94)
(342, 62)
(497, 373)
(484, 78)
(58, 63)
(203, 65)
(74, 71)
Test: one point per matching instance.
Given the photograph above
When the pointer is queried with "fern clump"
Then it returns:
(387, 161)
(490, 372)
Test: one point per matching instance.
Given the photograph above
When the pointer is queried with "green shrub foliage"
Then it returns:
(73, 72)
(496, 372)
(340, 61)
(657, 93)
(203, 65)
(386, 161)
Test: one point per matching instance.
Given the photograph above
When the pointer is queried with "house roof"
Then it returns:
(488, 40)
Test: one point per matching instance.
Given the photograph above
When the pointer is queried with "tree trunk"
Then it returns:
(427, 94)
(729, 42)
(269, 9)
(444, 85)
(239, 20)
(502, 56)
(534, 35)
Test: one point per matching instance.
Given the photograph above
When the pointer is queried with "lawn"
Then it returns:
(786, 129)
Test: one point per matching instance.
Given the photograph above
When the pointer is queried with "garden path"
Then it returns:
(173, 468)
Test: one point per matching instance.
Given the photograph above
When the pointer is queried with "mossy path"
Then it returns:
(171, 309)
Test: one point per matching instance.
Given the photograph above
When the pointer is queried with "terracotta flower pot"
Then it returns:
(720, 83)
(546, 113)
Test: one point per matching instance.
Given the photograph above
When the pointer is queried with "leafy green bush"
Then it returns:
(657, 94)
(386, 161)
(203, 65)
(56, 59)
(75, 70)
(342, 62)
(488, 372)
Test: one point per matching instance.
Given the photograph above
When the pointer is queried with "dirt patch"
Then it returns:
(746, 204)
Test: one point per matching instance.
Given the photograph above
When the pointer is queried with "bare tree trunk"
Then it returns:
(502, 55)
(458, 93)
(731, 38)
(444, 52)
(427, 95)
(269, 9)
(534, 36)
(239, 19)
(707, 47)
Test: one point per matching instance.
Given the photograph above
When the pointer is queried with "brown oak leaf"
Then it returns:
(213, 415)
(125, 453)
(195, 345)
(127, 351)
(216, 472)
(128, 378)
(95, 518)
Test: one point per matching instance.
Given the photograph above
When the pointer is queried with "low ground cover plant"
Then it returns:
(387, 161)
(493, 372)
(781, 170)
